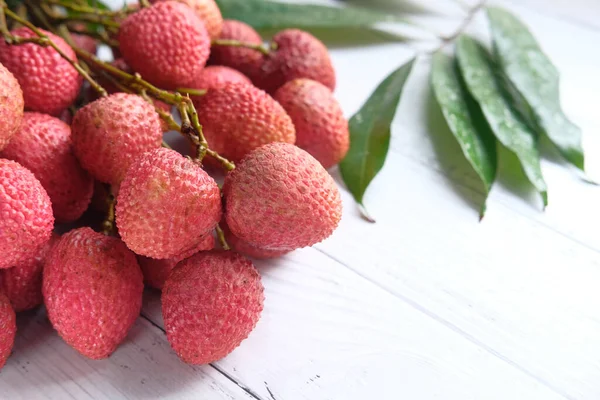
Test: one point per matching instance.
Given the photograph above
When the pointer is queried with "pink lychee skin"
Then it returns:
(210, 304)
(26, 219)
(217, 76)
(22, 283)
(238, 245)
(298, 55)
(156, 272)
(166, 205)
(109, 133)
(321, 128)
(43, 145)
(237, 118)
(85, 42)
(92, 287)
(245, 60)
(208, 11)
(8, 329)
(50, 84)
(280, 198)
(166, 43)
(11, 106)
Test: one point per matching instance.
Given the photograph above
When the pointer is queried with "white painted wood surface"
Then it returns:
(426, 304)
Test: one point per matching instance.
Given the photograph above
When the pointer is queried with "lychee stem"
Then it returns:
(237, 43)
(85, 13)
(191, 92)
(42, 40)
(108, 225)
(81, 8)
(221, 237)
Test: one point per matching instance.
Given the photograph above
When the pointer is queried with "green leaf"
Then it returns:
(370, 131)
(479, 73)
(264, 14)
(537, 80)
(465, 119)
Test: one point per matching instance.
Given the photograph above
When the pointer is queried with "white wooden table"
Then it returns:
(426, 304)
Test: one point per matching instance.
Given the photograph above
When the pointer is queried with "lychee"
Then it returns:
(26, 219)
(166, 205)
(298, 54)
(166, 43)
(281, 198)
(156, 272)
(85, 42)
(321, 128)
(8, 329)
(245, 60)
(210, 304)
(22, 283)
(43, 145)
(217, 76)
(237, 118)
(11, 106)
(109, 133)
(50, 84)
(208, 12)
(247, 249)
(92, 288)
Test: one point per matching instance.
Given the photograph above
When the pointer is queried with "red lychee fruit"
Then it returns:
(8, 328)
(11, 106)
(92, 288)
(26, 219)
(166, 205)
(245, 60)
(210, 304)
(217, 76)
(85, 42)
(166, 43)
(321, 128)
(156, 272)
(298, 54)
(22, 283)
(208, 11)
(280, 198)
(247, 249)
(43, 145)
(109, 133)
(237, 118)
(50, 84)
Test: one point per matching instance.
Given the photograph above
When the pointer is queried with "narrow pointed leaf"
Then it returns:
(265, 14)
(465, 119)
(536, 79)
(370, 131)
(479, 73)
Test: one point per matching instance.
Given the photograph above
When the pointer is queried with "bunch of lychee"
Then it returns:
(269, 109)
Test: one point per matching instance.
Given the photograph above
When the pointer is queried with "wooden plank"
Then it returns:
(520, 284)
(327, 333)
(42, 366)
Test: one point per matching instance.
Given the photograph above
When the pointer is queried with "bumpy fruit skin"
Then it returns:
(50, 84)
(85, 42)
(166, 205)
(237, 118)
(299, 55)
(11, 106)
(247, 249)
(280, 198)
(321, 128)
(247, 61)
(156, 272)
(166, 43)
(210, 304)
(43, 145)
(208, 12)
(26, 219)
(109, 133)
(22, 283)
(8, 329)
(217, 76)
(92, 289)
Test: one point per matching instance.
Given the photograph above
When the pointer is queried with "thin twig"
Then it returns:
(221, 237)
(237, 43)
